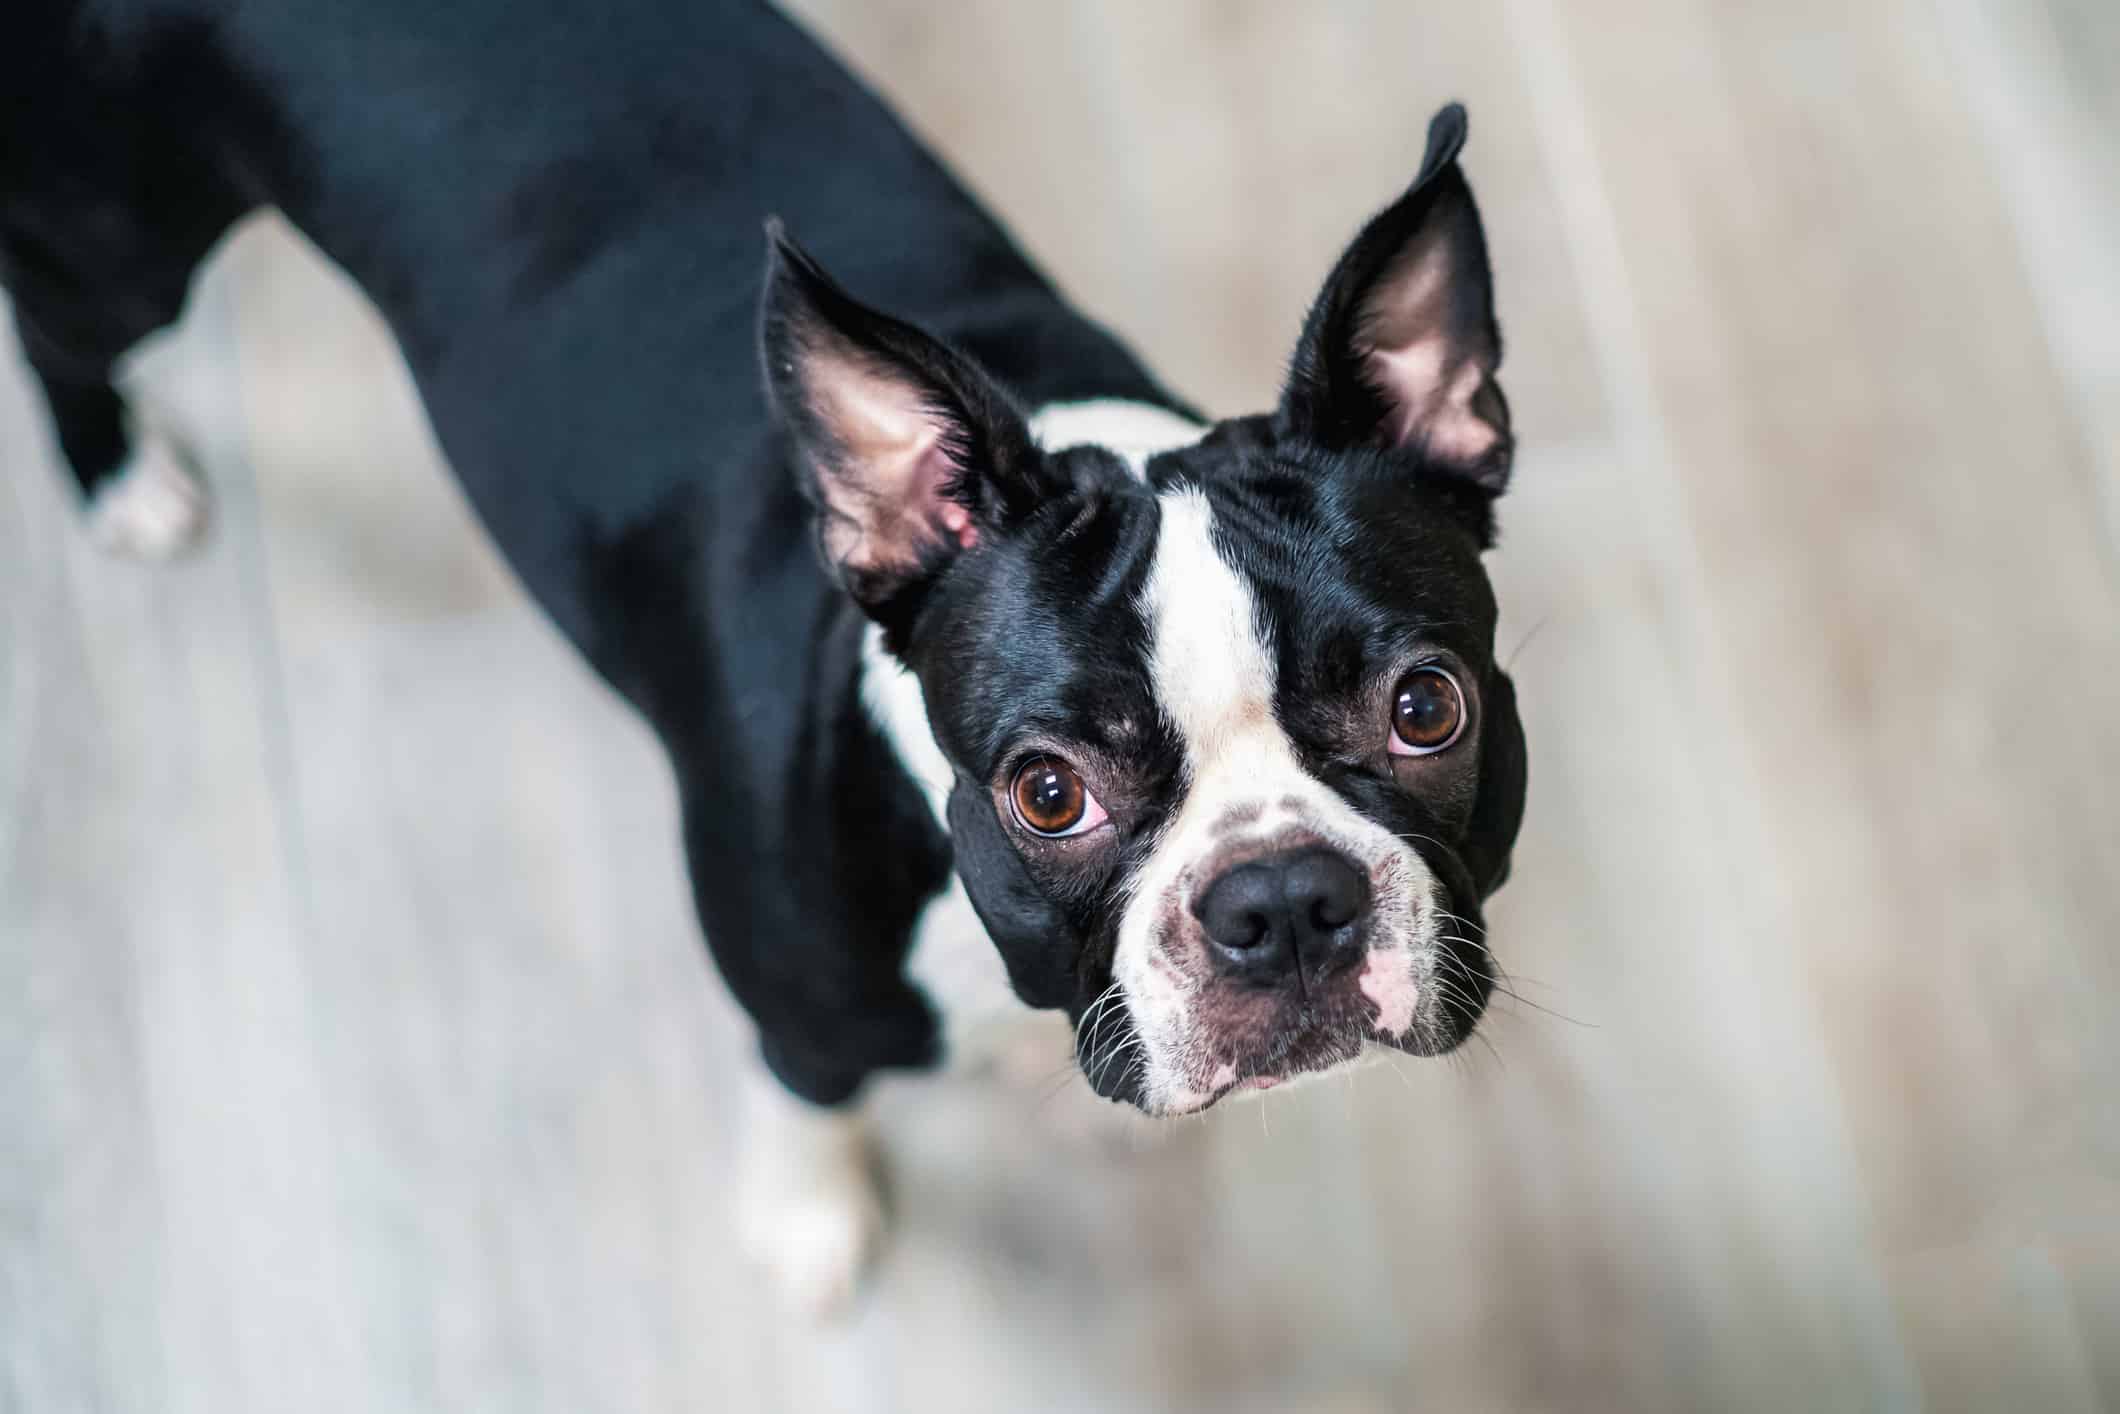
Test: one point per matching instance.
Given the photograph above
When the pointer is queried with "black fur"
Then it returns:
(1363, 557)
(1359, 564)
(558, 209)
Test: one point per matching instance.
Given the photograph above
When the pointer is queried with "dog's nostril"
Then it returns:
(1239, 910)
(1336, 890)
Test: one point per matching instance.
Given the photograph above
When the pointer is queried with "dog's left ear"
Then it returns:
(908, 453)
(1400, 349)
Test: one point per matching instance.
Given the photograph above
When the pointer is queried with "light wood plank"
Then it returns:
(356, 1049)
(1915, 610)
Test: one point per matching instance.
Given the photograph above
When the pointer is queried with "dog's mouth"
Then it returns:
(1280, 951)
(1238, 1041)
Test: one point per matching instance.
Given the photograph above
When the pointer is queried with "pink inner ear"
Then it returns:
(1445, 425)
(958, 522)
(885, 491)
(1428, 381)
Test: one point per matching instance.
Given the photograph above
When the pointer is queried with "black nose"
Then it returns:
(1264, 918)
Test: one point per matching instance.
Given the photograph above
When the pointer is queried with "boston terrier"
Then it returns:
(959, 629)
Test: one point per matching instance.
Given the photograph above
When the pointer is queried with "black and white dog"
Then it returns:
(955, 624)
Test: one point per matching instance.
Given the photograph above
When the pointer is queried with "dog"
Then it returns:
(959, 629)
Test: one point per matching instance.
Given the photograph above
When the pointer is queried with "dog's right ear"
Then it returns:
(908, 453)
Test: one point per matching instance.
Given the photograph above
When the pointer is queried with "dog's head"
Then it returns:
(1234, 764)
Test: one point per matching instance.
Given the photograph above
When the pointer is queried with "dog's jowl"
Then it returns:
(959, 629)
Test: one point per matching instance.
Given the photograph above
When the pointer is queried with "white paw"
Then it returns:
(815, 1243)
(808, 1210)
(152, 508)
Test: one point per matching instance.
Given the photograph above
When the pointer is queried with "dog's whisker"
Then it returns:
(1127, 1046)
(1509, 666)
(1099, 1059)
(1103, 1010)
(1460, 919)
(1095, 1008)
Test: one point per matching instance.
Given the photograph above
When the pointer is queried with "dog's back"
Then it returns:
(557, 207)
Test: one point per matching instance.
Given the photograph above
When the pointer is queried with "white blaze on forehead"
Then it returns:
(1212, 670)
(1212, 666)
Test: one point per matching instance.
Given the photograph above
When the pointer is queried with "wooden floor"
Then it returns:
(356, 1047)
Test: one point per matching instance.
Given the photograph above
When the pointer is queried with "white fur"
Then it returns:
(808, 1209)
(152, 507)
(1135, 431)
(1213, 670)
(1214, 676)
(1391, 986)
(896, 705)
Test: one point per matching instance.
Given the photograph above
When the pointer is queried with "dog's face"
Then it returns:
(1234, 763)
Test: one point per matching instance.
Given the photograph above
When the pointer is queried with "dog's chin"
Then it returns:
(1305, 1056)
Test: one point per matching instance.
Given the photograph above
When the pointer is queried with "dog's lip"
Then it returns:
(1251, 1085)
(1316, 1053)
(1249, 1082)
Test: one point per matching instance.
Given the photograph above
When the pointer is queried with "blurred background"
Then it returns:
(357, 1051)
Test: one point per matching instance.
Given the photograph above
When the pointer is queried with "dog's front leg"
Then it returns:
(809, 1208)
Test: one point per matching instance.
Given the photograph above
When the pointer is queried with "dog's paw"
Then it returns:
(153, 507)
(815, 1241)
(809, 1212)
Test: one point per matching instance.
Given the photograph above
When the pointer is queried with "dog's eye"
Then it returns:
(1427, 713)
(1050, 799)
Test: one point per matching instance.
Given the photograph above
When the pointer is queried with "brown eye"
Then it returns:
(1050, 799)
(1427, 712)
